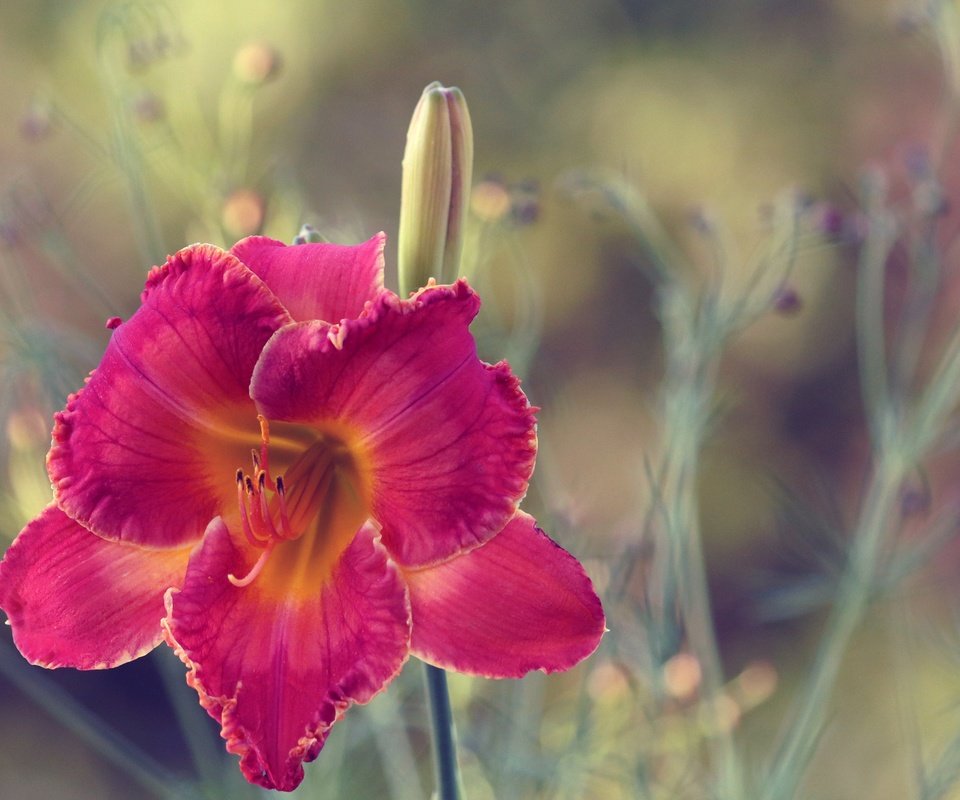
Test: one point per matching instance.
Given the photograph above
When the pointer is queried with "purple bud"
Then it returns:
(787, 301)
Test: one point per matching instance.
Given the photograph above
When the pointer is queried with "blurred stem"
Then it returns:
(236, 130)
(809, 713)
(135, 763)
(192, 721)
(692, 354)
(126, 151)
(446, 769)
(129, 159)
(515, 751)
(393, 742)
(870, 330)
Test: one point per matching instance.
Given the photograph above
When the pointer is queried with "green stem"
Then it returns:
(444, 737)
(685, 417)
(810, 711)
(679, 587)
(192, 721)
(152, 776)
(393, 742)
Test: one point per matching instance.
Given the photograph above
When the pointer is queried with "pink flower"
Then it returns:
(377, 514)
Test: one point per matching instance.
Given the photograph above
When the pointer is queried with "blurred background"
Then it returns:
(132, 129)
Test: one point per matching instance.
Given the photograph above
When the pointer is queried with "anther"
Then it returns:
(285, 528)
(248, 483)
(240, 476)
(264, 461)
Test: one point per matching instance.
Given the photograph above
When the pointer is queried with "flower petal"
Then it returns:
(317, 281)
(276, 670)
(147, 451)
(518, 603)
(76, 600)
(446, 442)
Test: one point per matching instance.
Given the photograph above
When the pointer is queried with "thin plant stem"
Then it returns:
(810, 710)
(393, 742)
(135, 763)
(444, 737)
(192, 721)
(688, 393)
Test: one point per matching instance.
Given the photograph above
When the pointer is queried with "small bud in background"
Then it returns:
(490, 200)
(147, 107)
(723, 714)
(140, 55)
(437, 170)
(309, 235)
(828, 220)
(525, 209)
(37, 121)
(243, 213)
(607, 683)
(787, 301)
(702, 221)
(256, 64)
(756, 683)
(915, 498)
(682, 676)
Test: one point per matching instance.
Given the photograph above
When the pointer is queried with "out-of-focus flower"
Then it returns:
(36, 123)
(378, 518)
(256, 64)
(147, 107)
(756, 683)
(682, 675)
(490, 200)
(242, 213)
(435, 193)
(786, 300)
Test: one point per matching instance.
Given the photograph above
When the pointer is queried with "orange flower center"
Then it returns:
(305, 518)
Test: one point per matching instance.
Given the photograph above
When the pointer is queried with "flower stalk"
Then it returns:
(437, 169)
(903, 430)
(689, 389)
(444, 736)
(797, 747)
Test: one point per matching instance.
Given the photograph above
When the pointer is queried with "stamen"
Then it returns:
(255, 540)
(285, 526)
(264, 444)
(244, 516)
(268, 520)
(257, 568)
(265, 512)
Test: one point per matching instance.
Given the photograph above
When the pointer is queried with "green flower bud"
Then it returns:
(437, 169)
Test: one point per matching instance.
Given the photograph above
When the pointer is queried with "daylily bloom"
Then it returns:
(297, 479)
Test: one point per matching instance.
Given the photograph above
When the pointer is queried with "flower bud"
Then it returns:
(437, 169)
(309, 235)
(242, 213)
(256, 63)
